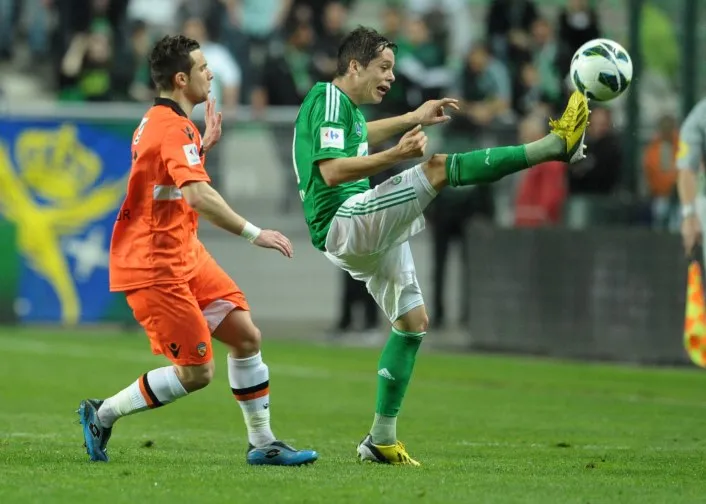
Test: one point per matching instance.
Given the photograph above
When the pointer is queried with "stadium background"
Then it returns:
(583, 263)
(599, 274)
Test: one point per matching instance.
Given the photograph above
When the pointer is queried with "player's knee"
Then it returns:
(414, 321)
(437, 162)
(195, 378)
(435, 170)
(248, 342)
(422, 324)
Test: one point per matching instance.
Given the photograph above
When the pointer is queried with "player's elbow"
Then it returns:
(193, 198)
(195, 194)
(329, 174)
(330, 180)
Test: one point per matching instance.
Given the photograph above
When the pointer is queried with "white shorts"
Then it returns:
(368, 239)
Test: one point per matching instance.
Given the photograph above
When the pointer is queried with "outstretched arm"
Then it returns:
(383, 129)
(207, 202)
(184, 165)
(339, 170)
(429, 113)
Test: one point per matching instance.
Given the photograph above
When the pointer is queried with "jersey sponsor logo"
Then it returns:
(332, 137)
(192, 154)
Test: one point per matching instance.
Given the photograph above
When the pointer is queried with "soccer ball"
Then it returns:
(602, 69)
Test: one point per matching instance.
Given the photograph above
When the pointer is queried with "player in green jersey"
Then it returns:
(366, 231)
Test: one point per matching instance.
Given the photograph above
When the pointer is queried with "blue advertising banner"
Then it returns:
(61, 184)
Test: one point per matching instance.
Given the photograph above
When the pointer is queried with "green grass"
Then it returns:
(486, 429)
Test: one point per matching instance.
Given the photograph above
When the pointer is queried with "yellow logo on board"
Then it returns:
(53, 164)
(683, 149)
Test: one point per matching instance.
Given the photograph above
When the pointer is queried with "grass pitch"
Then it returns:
(486, 429)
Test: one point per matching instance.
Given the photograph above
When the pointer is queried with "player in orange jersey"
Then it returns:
(176, 290)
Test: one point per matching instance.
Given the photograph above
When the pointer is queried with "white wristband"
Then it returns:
(687, 210)
(250, 232)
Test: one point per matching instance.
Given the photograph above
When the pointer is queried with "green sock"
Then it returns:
(490, 165)
(394, 372)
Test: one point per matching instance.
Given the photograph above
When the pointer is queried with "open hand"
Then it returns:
(412, 144)
(213, 125)
(432, 111)
(275, 240)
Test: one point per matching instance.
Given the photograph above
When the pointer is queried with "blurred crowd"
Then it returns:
(508, 68)
(97, 47)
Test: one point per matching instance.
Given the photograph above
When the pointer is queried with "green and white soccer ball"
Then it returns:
(602, 69)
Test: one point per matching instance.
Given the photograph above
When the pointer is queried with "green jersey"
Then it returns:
(329, 125)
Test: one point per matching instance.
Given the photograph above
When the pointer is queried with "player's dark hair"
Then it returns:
(171, 55)
(363, 45)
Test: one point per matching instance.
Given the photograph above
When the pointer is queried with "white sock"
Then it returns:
(250, 382)
(151, 390)
(384, 430)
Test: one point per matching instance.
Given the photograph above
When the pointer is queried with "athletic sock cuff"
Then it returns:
(408, 334)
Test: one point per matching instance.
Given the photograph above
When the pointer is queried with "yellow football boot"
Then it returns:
(571, 127)
(395, 454)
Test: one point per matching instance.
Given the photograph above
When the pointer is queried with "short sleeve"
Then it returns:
(330, 124)
(182, 157)
(691, 139)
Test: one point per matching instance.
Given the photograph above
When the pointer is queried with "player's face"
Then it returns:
(377, 78)
(199, 84)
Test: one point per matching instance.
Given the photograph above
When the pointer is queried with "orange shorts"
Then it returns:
(180, 318)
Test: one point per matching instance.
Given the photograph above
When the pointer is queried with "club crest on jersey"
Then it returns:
(201, 349)
(358, 129)
(363, 149)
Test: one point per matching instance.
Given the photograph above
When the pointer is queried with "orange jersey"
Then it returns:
(154, 238)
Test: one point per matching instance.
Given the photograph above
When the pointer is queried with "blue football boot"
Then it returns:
(94, 434)
(281, 454)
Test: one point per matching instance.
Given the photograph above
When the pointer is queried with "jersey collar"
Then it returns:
(166, 102)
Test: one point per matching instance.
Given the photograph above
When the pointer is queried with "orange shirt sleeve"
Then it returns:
(181, 157)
